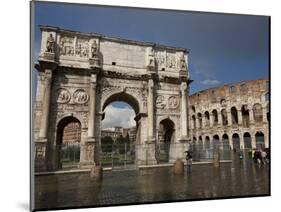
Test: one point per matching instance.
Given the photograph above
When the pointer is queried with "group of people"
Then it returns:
(260, 156)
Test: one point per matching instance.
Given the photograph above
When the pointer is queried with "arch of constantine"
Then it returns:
(79, 74)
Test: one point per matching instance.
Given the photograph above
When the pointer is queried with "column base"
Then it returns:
(145, 154)
(150, 140)
(40, 163)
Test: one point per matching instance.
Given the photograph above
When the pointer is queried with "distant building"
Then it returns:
(115, 132)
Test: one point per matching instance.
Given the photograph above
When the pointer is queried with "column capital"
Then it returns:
(93, 79)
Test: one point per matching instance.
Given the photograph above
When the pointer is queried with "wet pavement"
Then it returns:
(240, 178)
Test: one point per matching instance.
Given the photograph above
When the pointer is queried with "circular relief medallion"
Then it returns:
(80, 96)
(173, 102)
(63, 96)
(160, 102)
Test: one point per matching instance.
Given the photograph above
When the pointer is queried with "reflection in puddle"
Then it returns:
(149, 185)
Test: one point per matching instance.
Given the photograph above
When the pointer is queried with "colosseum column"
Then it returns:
(239, 113)
(229, 118)
(184, 111)
(211, 120)
(264, 114)
(251, 116)
(230, 142)
(219, 118)
(203, 121)
(197, 122)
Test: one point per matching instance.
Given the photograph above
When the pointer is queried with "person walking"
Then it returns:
(188, 161)
(263, 156)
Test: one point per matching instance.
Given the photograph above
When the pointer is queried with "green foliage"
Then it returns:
(106, 144)
(123, 143)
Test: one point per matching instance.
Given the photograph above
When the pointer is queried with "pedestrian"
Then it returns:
(188, 161)
(241, 155)
(263, 157)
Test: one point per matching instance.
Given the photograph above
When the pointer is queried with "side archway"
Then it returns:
(68, 142)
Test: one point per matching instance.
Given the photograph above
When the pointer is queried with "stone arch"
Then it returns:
(169, 127)
(125, 97)
(62, 143)
(225, 142)
(224, 117)
(234, 115)
(193, 109)
(215, 117)
(245, 115)
(194, 141)
(166, 137)
(260, 142)
(216, 142)
(247, 140)
(207, 118)
(193, 121)
(257, 110)
(200, 143)
(236, 141)
(207, 142)
(199, 116)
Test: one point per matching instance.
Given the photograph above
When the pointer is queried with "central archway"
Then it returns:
(117, 143)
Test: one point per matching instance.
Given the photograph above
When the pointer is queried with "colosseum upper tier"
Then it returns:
(233, 116)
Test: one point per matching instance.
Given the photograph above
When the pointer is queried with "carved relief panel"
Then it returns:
(166, 102)
(167, 60)
(66, 46)
(82, 48)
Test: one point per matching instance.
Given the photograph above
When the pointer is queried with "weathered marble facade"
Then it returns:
(234, 116)
(79, 74)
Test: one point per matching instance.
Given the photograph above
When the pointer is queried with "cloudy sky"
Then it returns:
(223, 48)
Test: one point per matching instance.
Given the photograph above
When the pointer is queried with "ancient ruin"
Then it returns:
(233, 116)
(79, 74)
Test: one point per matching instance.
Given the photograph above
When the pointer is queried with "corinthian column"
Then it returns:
(46, 104)
(150, 110)
(184, 110)
(92, 107)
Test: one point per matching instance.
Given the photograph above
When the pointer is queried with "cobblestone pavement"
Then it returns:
(240, 178)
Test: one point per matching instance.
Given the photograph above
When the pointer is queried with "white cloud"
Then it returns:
(114, 116)
(210, 82)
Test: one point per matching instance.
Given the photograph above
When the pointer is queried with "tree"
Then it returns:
(106, 144)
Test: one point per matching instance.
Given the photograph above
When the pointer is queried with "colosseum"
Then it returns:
(234, 116)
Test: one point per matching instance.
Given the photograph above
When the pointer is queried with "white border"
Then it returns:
(14, 82)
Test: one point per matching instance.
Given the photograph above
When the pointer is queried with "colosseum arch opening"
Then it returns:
(199, 116)
(260, 143)
(225, 142)
(215, 117)
(236, 142)
(245, 116)
(247, 140)
(207, 119)
(234, 115)
(224, 117)
(257, 110)
(216, 142)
